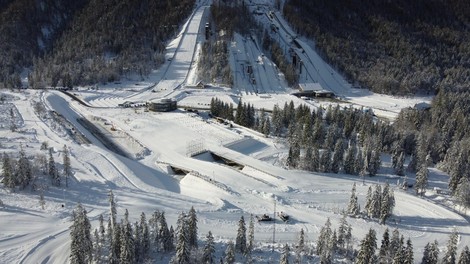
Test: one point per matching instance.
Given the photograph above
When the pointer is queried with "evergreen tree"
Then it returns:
(387, 203)
(315, 159)
(23, 173)
(349, 159)
(8, 175)
(337, 161)
(374, 163)
(359, 165)
(399, 256)
(431, 253)
(394, 243)
(53, 173)
(285, 255)
(230, 253)
(366, 253)
(421, 180)
(462, 193)
(464, 257)
(307, 160)
(325, 161)
(343, 236)
(13, 126)
(450, 256)
(369, 201)
(384, 253)
(251, 235)
(209, 250)
(192, 228)
(300, 249)
(164, 235)
(67, 167)
(116, 243)
(127, 252)
(409, 259)
(112, 208)
(400, 169)
(240, 241)
(353, 207)
(375, 206)
(182, 240)
(145, 240)
(81, 246)
(324, 249)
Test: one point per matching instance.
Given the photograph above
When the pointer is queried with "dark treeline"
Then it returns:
(110, 39)
(28, 29)
(85, 42)
(393, 47)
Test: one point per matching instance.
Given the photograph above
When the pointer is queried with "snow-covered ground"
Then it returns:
(219, 193)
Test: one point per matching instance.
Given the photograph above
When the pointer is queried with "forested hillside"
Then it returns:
(84, 41)
(28, 29)
(394, 47)
(109, 39)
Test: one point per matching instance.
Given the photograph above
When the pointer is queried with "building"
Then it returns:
(162, 105)
(314, 89)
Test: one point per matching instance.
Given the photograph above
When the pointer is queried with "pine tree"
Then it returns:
(325, 161)
(394, 243)
(53, 173)
(366, 253)
(240, 241)
(408, 259)
(251, 235)
(337, 161)
(192, 228)
(359, 165)
(315, 159)
(23, 173)
(8, 175)
(81, 246)
(127, 252)
(375, 162)
(285, 255)
(464, 257)
(323, 243)
(145, 240)
(67, 167)
(13, 126)
(230, 253)
(300, 249)
(116, 243)
(165, 235)
(182, 240)
(353, 207)
(400, 169)
(384, 253)
(349, 159)
(209, 249)
(375, 206)
(434, 253)
(399, 256)
(112, 208)
(421, 180)
(450, 256)
(369, 201)
(387, 204)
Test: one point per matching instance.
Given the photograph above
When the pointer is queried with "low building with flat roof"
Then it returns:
(162, 105)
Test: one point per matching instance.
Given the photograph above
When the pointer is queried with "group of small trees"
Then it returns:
(379, 203)
(23, 172)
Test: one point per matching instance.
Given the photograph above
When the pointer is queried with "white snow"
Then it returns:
(219, 193)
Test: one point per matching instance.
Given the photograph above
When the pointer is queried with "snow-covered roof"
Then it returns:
(310, 86)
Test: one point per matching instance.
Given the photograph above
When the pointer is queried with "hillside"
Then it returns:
(29, 29)
(84, 42)
(393, 47)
